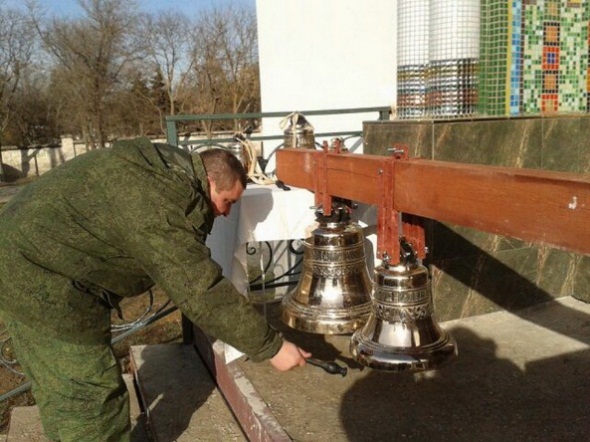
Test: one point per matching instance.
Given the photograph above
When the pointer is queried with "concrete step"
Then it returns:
(138, 421)
(25, 422)
(25, 425)
(179, 396)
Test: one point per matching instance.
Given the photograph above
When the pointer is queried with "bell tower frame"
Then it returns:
(543, 207)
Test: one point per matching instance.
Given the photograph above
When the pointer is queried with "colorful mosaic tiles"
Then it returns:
(438, 51)
(412, 56)
(532, 57)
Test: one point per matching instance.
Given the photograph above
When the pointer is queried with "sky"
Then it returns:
(70, 8)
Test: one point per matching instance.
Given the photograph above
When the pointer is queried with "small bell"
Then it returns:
(298, 131)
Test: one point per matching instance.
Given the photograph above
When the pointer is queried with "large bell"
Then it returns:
(333, 295)
(401, 333)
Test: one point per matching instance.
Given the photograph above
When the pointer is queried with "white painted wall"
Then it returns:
(21, 163)
(326, 54)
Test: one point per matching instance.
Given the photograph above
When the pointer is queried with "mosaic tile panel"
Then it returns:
(547, 53)
(516, 58)
(412, 53)
(494, 57)
(438, 58)
(574, 58)
(534, 57)
(452, 89)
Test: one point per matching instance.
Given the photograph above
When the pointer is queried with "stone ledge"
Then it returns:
(25, 425)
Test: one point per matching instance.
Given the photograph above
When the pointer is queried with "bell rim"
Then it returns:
(423, 358)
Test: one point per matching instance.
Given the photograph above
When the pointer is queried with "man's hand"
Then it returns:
(289, 356)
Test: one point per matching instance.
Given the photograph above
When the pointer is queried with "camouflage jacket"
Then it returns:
(120, 220)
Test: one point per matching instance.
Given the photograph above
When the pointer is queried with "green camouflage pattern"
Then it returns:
(110, 224)
(77, 387)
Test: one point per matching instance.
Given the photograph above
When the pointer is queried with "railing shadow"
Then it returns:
(497, 282)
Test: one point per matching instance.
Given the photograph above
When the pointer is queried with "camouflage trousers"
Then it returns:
(78, 388)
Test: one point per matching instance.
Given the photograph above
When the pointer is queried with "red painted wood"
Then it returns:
(543, 207)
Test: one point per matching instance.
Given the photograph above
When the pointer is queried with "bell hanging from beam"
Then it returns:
(401, 333)
(333, 295)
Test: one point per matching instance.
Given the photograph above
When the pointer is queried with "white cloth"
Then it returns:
(264, 213)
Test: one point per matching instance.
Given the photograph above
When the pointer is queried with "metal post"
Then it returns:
(171, 133)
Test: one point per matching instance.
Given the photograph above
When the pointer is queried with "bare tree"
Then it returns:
(226, 67)
(140, 107)
(90, 55)
(168, 38)
(109, 72)
(33, 121)
(16, 50)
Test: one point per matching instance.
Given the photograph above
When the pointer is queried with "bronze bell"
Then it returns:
(401, 332)
(333, 295)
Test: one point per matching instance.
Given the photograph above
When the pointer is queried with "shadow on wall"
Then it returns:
(471, 279)
(20, 163)
(11, 174)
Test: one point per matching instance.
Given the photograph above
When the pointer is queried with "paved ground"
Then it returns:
(517, 378)
(180, 397)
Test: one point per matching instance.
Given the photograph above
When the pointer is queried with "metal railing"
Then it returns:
(172, 121)
(383, 113)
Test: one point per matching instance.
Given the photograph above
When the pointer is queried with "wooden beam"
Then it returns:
(300, 167)
(543, 207)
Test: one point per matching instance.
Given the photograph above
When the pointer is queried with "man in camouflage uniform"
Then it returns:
(104, 226)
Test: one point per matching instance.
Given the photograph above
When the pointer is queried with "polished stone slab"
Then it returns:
(475, 272)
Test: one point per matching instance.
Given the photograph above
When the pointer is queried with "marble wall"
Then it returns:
(474, 272)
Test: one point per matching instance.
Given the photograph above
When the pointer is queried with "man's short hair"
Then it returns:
(224, 168)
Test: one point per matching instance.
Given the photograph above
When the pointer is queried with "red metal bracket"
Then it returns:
(387, 217)
(413, 231)
(322, 198)
(389, 230)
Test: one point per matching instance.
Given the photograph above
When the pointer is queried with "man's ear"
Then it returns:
(212, 185)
